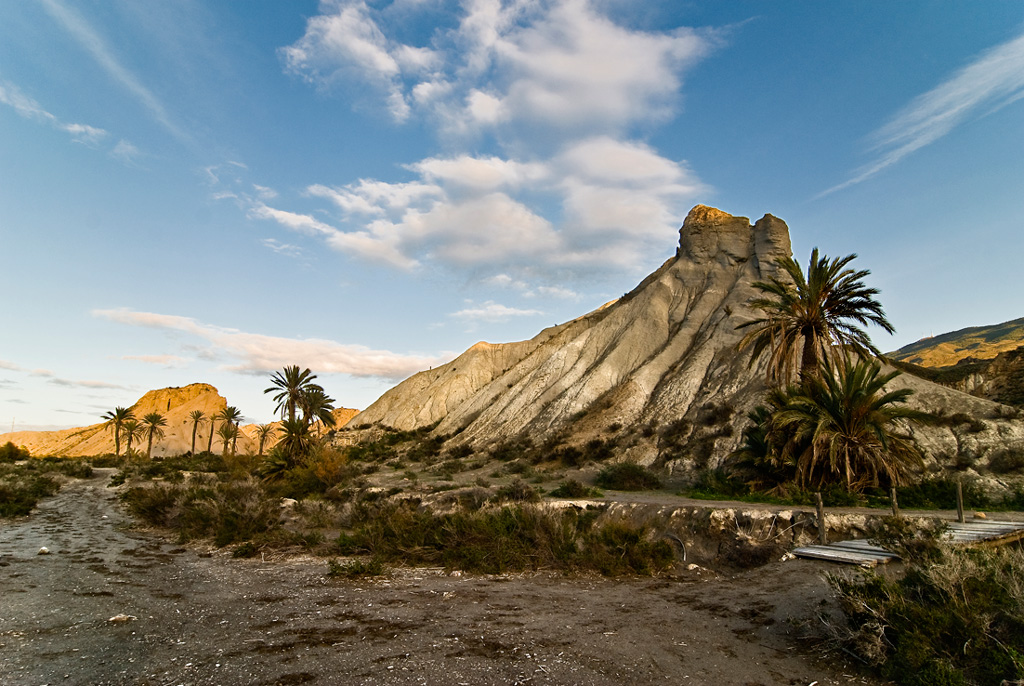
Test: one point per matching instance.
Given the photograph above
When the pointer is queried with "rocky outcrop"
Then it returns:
(175, 404)
(657, 371)
(665, 351)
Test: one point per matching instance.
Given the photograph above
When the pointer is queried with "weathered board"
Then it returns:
(980, 532)
(857, 552)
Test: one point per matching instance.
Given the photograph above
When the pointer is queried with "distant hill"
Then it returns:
(175, 404)
(976, 342)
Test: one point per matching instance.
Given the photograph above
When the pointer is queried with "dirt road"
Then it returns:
(192, 619)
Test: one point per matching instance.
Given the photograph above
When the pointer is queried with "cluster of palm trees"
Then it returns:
(295, 393)
(828, 417)
(303, 405)
(122, 422)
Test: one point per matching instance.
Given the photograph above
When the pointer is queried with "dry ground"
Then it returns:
(197, 618)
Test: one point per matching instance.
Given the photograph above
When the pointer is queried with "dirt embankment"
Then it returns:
(193, 619)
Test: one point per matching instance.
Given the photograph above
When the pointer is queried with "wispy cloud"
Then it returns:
(30, 109)
(252, 353)
(91, 41)
(491, 311)
(169, 361)
(282, 248)
(85, 383)
(992, 81)
(125, 152)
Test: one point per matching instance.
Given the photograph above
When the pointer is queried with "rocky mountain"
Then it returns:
(976, 343)
(175, 404)
(654, 374)
(1000, 379)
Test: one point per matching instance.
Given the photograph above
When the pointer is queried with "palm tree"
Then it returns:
(197, 417)
(317, 407)
(209, 442)
(807, 320)
(132, 430)
(230, 415)
(844, 424)
(289, 385)
(227, 432)
(153, 426)
(263, 432)
(296, 442)
(761, 460)
(115, 420)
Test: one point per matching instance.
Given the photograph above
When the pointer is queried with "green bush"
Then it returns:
(956, 616)
(12, 453)
(518, 491)
(574, 489)
(627, 476)
(227, 512)
(500, 540)
(22, 489)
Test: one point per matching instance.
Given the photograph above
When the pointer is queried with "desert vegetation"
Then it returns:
(24, 481)
(954, 617)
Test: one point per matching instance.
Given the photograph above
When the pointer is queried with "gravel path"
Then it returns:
(190, 618)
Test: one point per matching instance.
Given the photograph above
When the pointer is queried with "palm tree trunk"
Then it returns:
(195, 427)
(808, 358)
(149, 448)
(209, 446)
(234, 440)
(117, 441)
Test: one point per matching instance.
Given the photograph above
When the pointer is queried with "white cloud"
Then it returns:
(170, 361)
(992, 81)
(4, 364)
(30, 109)
(346, 41)
(282, 248)
(557, 82)
(244, 352)
(71, 383)
(491, 311)
(125, 151)
(615, 200)
(560, 63)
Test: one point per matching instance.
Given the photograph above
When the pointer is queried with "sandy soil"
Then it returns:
(193, 618)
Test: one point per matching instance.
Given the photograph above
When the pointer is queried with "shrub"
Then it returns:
(500, 540)
(356, 569)
(228, 512)
(574, 489)
(12, 453)
(22, 488)
(627, 476)
(518, 491)
(955, 617)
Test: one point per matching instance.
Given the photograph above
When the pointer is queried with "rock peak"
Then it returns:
(709, 234)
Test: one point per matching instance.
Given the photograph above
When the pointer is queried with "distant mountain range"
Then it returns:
(976, 343)
(985, 361)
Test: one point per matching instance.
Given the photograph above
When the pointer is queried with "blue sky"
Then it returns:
(208, 191)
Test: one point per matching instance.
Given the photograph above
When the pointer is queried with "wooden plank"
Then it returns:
(848, 552)
(865, 547)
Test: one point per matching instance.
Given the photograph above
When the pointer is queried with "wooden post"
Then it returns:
(895, 505)
(960, 501)
(822, 534)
